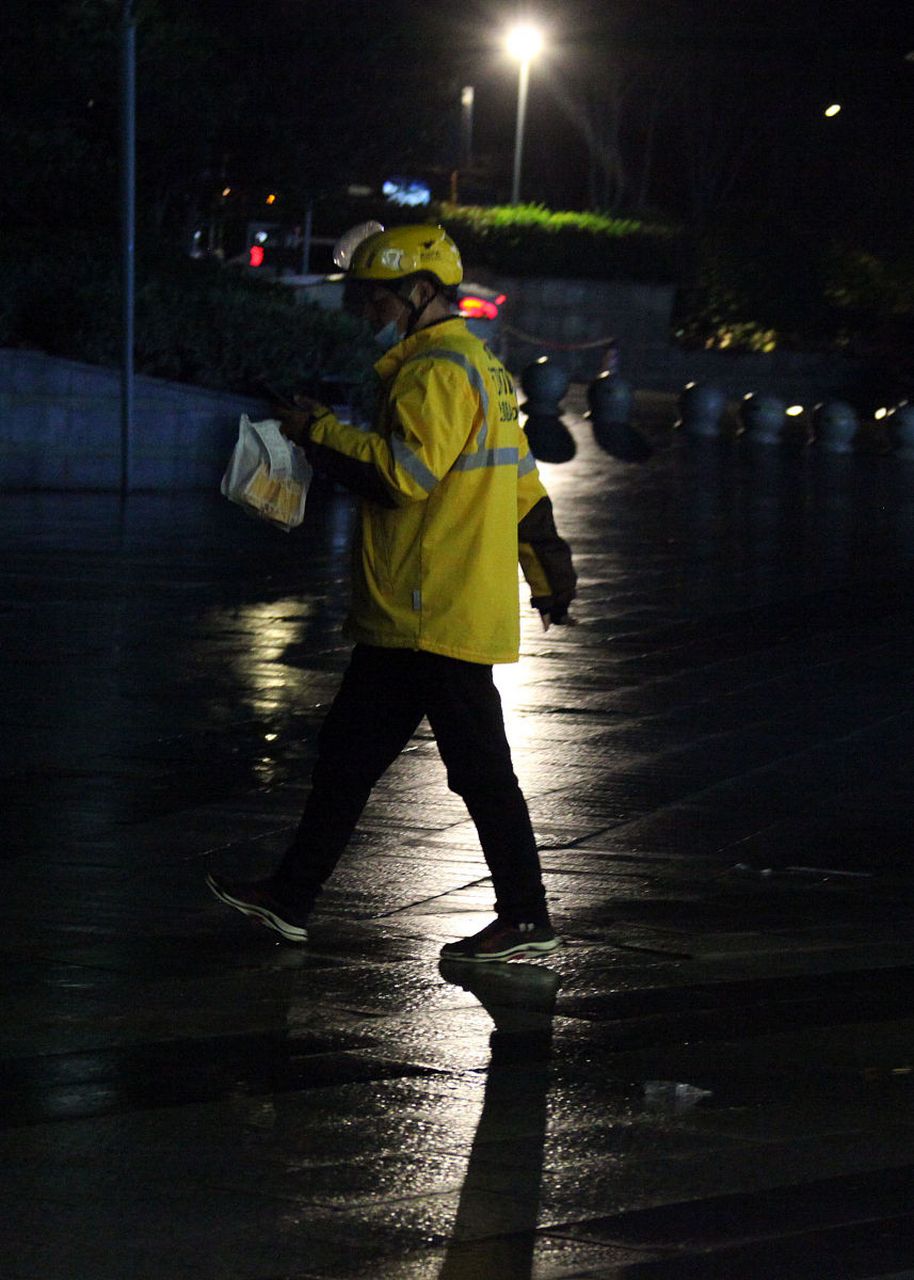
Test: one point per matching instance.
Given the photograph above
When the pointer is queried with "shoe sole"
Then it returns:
(522, 949)
(291, 932)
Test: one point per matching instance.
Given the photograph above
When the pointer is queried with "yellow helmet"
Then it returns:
(402, 251)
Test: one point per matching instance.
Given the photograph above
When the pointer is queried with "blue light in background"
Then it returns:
(408, 191)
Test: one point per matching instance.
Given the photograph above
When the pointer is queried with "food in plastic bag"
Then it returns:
(267, 474)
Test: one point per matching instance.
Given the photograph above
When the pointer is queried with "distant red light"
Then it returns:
(478, 308)
(502, 297)
(256, 252)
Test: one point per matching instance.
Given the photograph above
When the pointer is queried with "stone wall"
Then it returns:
(60, 428)
(563, 314)
(565, 317)
(60, 420)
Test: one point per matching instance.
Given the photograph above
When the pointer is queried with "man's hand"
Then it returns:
(558, 618)
(553, 611)
(296, 423)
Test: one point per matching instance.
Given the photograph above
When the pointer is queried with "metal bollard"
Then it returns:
(545, 384)
(611, 401)
(834, 425)
(701, 408)
(763, 418)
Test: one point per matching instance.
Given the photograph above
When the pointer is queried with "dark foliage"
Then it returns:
(196, 322)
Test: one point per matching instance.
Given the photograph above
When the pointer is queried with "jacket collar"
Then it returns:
(423, 339)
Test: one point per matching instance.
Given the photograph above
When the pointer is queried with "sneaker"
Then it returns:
(501, 941)
(257, 899)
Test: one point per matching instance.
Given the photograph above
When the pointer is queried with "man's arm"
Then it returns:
(545, 558)
(430, 412)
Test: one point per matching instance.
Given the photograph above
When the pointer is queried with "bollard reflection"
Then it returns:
(495, 1228)
(622, 441)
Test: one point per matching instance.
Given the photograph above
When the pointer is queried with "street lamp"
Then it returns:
(467, 96)
(523, 42)
(128, 228)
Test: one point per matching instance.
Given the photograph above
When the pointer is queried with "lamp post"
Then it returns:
(128, 228)
(523, 42)
(467, 96)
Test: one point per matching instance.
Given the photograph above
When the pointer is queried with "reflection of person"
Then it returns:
(451, 498)
(494, 1235)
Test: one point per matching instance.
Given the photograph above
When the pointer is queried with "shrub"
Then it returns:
(754, 289)
(245, 335)
(859, 282)
(530, 240)
(196, 322)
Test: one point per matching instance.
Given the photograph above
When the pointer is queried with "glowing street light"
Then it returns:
(833, 110)
(523, 42)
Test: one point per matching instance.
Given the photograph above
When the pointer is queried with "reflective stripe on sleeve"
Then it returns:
(414, 467)
(526, 465)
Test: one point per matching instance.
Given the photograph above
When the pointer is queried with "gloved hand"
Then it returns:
(554, 610)
(296, 423)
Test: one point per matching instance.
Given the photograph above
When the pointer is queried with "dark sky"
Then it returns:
(685, 78)
(782, 64)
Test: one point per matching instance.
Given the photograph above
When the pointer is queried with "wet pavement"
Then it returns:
(713, 1078)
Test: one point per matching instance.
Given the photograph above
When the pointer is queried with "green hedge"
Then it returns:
(747, 289)
(196, 322)
(528, 240)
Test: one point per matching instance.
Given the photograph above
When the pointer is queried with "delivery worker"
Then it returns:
(450, 500)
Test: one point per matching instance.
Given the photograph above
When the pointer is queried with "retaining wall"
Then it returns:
(60, 428)
(563, 313)
(60, 419)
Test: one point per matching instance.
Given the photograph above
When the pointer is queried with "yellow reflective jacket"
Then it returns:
(446, 479)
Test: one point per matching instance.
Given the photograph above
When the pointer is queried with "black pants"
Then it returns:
(383, 697)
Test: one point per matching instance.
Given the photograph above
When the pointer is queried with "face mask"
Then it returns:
(388, 336)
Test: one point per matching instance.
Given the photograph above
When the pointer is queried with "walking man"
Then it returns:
(450, 500)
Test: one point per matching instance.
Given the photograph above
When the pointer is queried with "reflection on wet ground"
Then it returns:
(712, 1078)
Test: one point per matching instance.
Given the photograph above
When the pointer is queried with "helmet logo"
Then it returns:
(391, 259)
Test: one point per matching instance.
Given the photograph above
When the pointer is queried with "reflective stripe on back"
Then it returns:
(477, 382)
(482, 457)
(506, 457)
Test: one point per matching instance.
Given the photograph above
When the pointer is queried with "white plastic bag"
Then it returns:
(267, 474)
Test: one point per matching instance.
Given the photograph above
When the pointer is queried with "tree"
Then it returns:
(294, 97)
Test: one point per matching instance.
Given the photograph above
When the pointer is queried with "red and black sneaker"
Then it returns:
(500, 941)
(259, 900)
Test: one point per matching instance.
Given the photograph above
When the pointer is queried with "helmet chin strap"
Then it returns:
(415, 313)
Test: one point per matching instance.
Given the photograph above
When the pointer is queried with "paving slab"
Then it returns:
(712, 1078)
